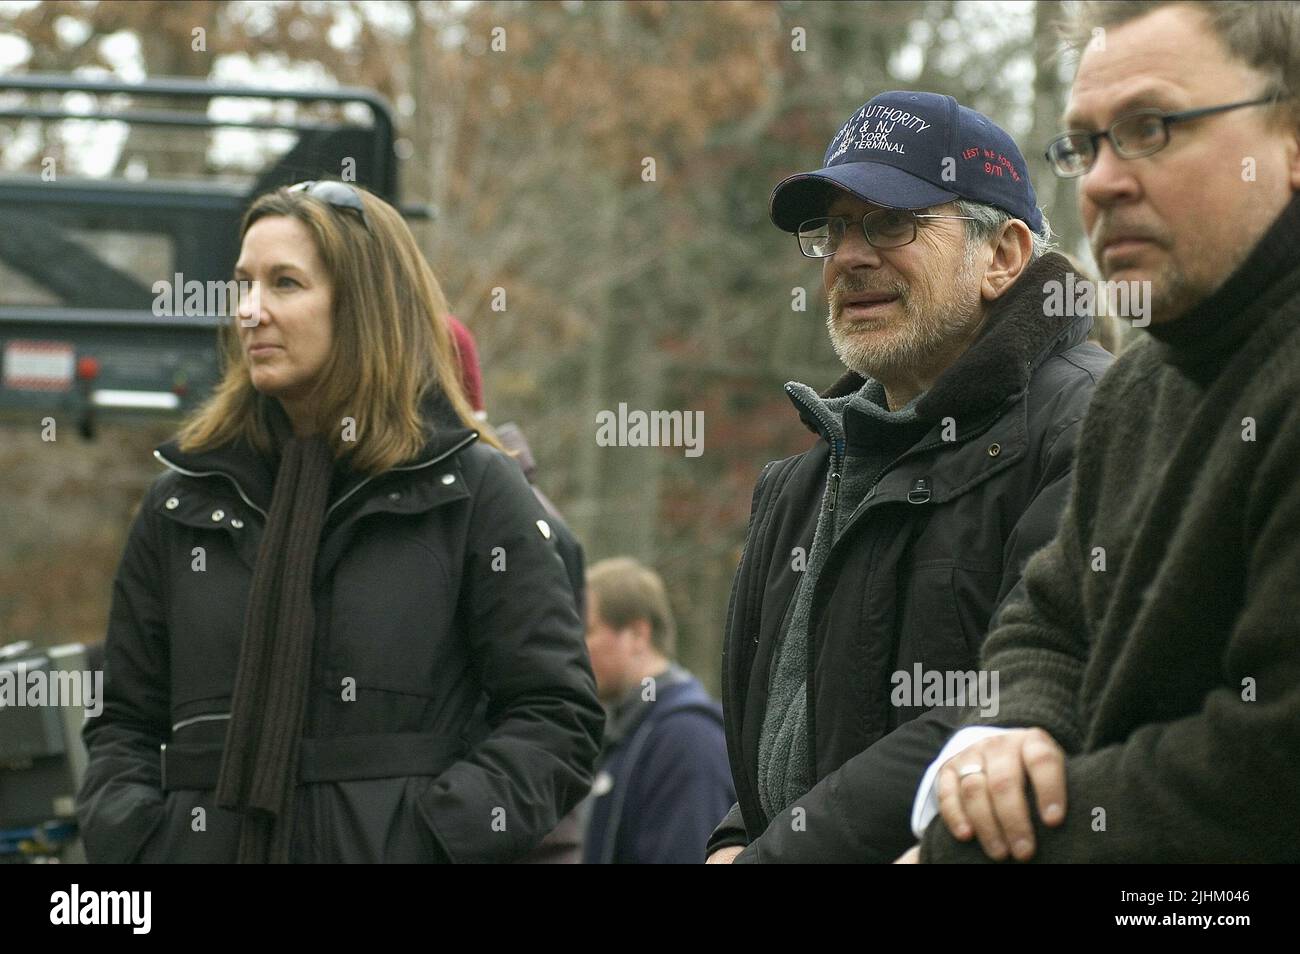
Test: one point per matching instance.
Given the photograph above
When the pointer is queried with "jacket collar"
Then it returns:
(627, 713)
(1017, 338)
(253, 472)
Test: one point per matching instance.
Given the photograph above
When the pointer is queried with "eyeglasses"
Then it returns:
(338, 194)
(882, 228)
(1134, 135)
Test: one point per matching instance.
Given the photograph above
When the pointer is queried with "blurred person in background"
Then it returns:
(513, 442)
(662, 782)
(330, 577)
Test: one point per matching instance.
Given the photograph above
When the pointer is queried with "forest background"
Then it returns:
(601, 175)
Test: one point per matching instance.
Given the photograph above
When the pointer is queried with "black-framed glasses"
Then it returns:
(1133, 135)
(882, 228)
(335, 193)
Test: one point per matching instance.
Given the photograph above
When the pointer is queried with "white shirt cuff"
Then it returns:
(926, 805)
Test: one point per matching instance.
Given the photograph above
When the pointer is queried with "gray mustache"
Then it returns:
(842, 288)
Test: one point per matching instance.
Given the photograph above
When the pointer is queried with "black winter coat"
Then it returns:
(452, 713)
(915, 577)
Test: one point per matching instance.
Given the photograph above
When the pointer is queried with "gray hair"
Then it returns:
(988, 219)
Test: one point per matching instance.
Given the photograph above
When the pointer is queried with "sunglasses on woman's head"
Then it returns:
(338, 194)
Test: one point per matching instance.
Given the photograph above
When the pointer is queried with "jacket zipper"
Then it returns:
(473, 436)
(469, 439)
(837, 450)
(200, 718)
(212, 473)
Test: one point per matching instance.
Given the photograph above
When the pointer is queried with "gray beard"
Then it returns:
(914, 347)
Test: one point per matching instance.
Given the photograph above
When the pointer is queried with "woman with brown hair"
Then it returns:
(332, 574)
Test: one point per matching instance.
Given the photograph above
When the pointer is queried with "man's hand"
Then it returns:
(725, 856)
(982, 791)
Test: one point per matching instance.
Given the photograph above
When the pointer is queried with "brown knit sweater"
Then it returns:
(1172, 676)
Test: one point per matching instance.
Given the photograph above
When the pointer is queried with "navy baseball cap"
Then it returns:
(911, 151)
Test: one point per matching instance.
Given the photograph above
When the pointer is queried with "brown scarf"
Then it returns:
(259, 768)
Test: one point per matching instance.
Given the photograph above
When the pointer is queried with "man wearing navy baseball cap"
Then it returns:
(877, 559)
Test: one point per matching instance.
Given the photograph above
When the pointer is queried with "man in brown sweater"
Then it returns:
(1150, 672)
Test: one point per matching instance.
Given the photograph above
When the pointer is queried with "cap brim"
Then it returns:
(805, 196)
